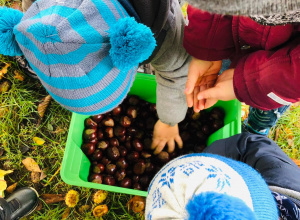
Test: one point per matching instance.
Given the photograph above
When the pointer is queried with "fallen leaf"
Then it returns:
(43, 175)
(52, 198)
(3, 71)
(66, 213)
(18, 75)
(276, 134)
(295, 152)
(72, 198)
(5, 86)
(39, 207)
(3, 184)
(35, 177)
(16, 5)
(100, 210)
(11, 188)
(38, 141)
(297, 162)
(42, 107)
(136, 204)
(100, 196)
(31, 165)
(84, 208)
(290, 142)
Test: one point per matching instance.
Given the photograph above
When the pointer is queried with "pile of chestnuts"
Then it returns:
(118, 143)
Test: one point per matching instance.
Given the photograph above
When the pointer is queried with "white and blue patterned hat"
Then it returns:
(209, 187)
(85, 52)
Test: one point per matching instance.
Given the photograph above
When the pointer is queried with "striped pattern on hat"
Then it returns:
(67, 45)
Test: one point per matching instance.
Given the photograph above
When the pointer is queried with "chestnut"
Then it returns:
(128, 138)
(100, 134)
(98, 168)
(132, 112)
(89, 134)
(97, 155)
(139, 167)
(120, 174)
(217, 124)
(145, 180)
(140, 124)
(196, 116)
(137, 145)
(137, 186)
(126, 182)
(103, 145)
(96, 178)
(109, 180)
(149, 167)
(217, 113)
(199, 148)
(110, 169)
(93, 141)
(139, 134)
(152, 107)
(113, 153)
(185, 136)
(206, 129)
(128, 145)
(119, 131)
(105, 161)
(164, 157)
(147, 143)
(131, 131)
(135, 178)
(88, 148)
(89, 123)
(109, 132)
(123, 151)
(201, 136)
(116, 111)
(145, 154)
(125, 121)
(133, 100)
(150, 122)
(122, 163)
(97, 118)
(133, 156)
(122, 139)
(113, 142)
(108, 121)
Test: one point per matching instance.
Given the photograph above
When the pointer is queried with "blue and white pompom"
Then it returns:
(131, 43)
(9, 18)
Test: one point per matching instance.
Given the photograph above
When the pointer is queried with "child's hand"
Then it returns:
(223, 90)
(165, 134)
(202, 75)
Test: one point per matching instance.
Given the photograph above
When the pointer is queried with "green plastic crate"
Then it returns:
(75, 165)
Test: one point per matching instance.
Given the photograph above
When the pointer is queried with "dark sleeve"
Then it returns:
(262, 154)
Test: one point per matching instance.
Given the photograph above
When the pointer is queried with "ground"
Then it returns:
(20, 124)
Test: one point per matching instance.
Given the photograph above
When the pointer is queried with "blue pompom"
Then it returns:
(131, 43)
(212, 205)
(8, 19)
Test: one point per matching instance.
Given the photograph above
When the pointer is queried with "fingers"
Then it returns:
(171, 146)
(160, 147)
(179, 141)
(190, 99)
(209, 103)
(196, 101)
(211, 93)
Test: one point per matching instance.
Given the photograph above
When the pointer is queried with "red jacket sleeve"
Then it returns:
(208, 36)
(269, 79)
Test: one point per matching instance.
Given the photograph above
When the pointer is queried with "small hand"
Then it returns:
(165, 134)
(223, 90)
(201, 76)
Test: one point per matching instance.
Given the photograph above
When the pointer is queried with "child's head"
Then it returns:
(206, 186)
(85, 52)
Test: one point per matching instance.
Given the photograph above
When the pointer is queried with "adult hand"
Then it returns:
(201, 76)
(223, 90)
(165, 134)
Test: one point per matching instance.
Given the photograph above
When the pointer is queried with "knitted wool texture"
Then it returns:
(68, 43)
(206, 186)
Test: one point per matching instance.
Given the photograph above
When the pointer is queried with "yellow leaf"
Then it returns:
(11, 188)
(31, 165)
(35, 177)
(3, 71)
(38, 141)
(18, 75)
(66, 213)
(42, 107)
(72, 198)
(3, 173)
(3, 184)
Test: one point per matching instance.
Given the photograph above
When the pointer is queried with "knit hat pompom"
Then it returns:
(131, 43)
(210, 205)
(9, 18)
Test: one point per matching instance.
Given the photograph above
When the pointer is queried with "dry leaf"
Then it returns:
(3, 71)
(297, 162)
(38, 141)
(3, 184)
(31, 165)
(52, 198)
(42, 107)
(290, 142)
(35, 177)
(276, 134)
(16, 5)
(39, 207)
(66, 213)
(5, 86)
(100, 210)
(11, 188)
(18, 75)
(72, 198)
(100, 196)
(84, 208)
(136, 204)
(43, 175)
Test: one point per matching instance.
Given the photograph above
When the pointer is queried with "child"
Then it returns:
(86, 55)
(258, 78)
(223, 183)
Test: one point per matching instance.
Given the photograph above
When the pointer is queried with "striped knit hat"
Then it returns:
(85, 52)
(209, 187)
